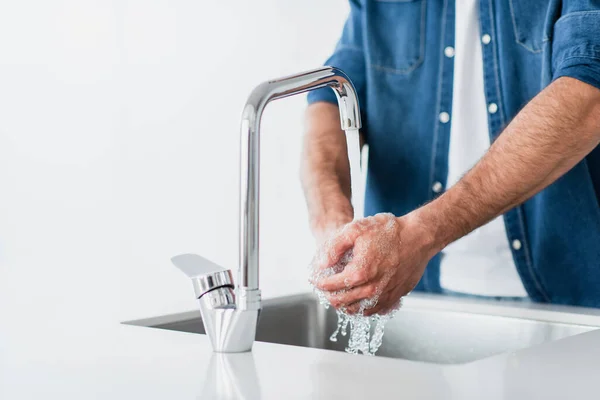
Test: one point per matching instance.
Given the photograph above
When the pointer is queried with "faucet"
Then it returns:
(230, 316)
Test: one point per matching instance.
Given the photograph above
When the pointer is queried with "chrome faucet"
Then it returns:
(230, 317)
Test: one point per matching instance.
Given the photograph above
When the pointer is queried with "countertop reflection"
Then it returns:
(231, 376)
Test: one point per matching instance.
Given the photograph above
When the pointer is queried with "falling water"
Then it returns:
(366, 332)
(353, 144)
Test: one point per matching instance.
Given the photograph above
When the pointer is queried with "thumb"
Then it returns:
(334, 249)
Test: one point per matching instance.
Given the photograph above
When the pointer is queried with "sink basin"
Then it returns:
(428, 328)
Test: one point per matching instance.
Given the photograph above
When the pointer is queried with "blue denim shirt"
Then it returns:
(393, 50)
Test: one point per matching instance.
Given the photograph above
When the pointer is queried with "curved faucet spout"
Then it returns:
(247, 282)
(230, 318)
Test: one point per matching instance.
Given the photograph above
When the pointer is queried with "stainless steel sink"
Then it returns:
(434, 329)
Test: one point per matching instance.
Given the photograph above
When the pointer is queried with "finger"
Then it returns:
(345, 298)
(359, 271)
(355, 274)
(331, 253)
(353, 308)
(334, 249)
(377, 309)
(386, 304)
(319, 273)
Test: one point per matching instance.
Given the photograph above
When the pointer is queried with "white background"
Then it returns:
(119, 147)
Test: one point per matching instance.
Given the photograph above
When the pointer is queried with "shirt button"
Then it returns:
(449, 51)
(444, 117)
(486, 39)
(437, 187)
(493, 108)
(516, 244)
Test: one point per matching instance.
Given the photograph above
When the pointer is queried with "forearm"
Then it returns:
(555, 131)
(325, 171)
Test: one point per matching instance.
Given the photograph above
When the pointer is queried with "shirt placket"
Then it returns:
(513, 219)
(441, 134)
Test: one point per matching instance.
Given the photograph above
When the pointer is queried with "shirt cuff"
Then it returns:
(576, 47)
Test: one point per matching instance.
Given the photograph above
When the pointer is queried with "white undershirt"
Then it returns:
(480, 263)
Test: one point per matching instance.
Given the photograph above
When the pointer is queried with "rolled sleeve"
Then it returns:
(576, 47)
(348, 56)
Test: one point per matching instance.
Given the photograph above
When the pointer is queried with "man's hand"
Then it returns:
(389, 257)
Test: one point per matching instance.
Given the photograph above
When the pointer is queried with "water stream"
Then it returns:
(353, 144)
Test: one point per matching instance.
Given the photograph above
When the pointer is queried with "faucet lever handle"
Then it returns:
(194, 265)
(205, 274)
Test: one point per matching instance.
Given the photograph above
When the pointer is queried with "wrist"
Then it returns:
(427, 224)
(322, 226)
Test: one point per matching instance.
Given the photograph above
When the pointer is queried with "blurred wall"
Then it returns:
(119, 147)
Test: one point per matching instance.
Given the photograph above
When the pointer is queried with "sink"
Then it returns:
(428, 328)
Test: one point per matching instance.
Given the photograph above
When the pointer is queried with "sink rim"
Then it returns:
(526, 310)
(445, 352)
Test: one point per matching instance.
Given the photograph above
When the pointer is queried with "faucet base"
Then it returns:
(231, 327)
(231, 330)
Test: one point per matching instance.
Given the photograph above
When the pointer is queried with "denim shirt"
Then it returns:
(393, 50)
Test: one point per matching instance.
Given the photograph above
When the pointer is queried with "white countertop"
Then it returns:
(87, 356)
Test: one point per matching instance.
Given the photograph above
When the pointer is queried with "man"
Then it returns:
(438, 81)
